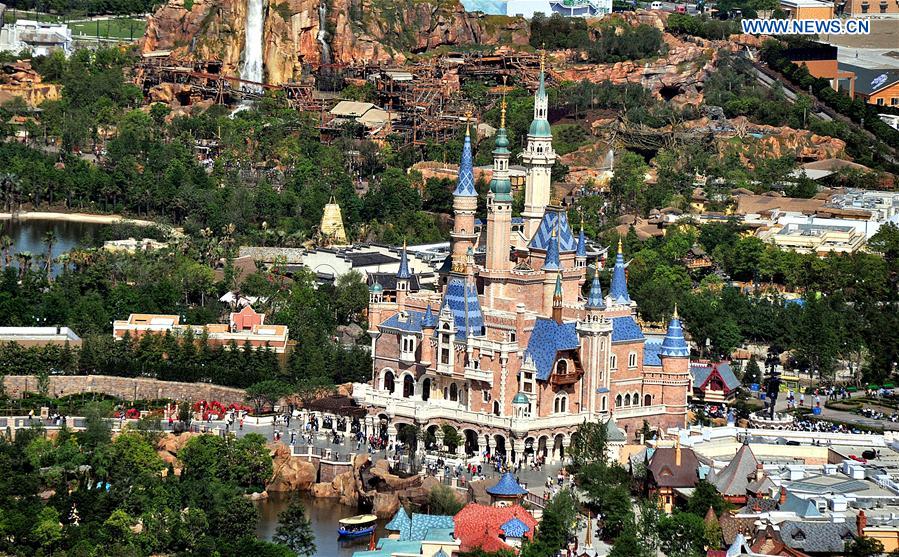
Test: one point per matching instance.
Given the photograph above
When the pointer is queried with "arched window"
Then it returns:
(408, 386)
(603, 402)
(613, 362)
(617, 401)
(627, 399)
(647, 400)
(496, 408)
(426, 389)
(560, 404)
(388, 382)
(562, 367)
(454, 392)
(632, 360)
(636, 399)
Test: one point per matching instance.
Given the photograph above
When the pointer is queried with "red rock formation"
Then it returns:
(20, 80)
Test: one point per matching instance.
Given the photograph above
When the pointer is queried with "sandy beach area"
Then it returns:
(73, 217)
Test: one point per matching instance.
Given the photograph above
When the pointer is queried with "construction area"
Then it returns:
(420, 103)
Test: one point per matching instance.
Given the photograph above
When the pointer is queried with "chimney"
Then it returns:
(759, 472)
(783, 495)
(861, 522)
(677, 451)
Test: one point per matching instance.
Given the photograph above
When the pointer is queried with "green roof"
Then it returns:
(520, 398)
(540, 128)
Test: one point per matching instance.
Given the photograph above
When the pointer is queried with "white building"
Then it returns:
(883, 205)
(38, 38)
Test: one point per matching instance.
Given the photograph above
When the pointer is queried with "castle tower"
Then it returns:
(594, 303)
(428, 325)
(539, 159)
(552, 267)
(580, 254)
(331, 226)
(593, 331)
(618, 291)
(675, 356)
(465, 204)
(557, 300)
(499, 203)
(403, 277)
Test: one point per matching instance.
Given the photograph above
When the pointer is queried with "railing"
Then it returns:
(321, 453)
(636, 411)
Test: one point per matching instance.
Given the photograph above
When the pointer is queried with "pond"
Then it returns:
(323, 515)
(28, 235)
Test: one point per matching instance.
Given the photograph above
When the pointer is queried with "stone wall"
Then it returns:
(327, 471)
(123, 387)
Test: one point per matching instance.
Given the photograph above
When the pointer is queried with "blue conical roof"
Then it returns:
(461, 297)
(465, 184)
(403, 272)
(581, 244)
(429, 319)
(507, 486)
(515, 528)
(618, 290)
(400, 521)
(552, 261)
(674, 344)
(594, 299)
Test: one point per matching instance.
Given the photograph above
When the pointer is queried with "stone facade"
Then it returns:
(510, 352)
(126, 388)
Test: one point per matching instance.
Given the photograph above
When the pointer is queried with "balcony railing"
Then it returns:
(479, 374)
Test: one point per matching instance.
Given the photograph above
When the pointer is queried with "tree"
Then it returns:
(682, 535)
(294, 529)
(628, 181)
(558, 522)
(704, 496)
(863, 546)
(588, 444)
(266, 393)
(442, 500)
(628, 544)
(48, 529)
(753, 373)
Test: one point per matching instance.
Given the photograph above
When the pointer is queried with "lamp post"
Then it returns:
(772, 387)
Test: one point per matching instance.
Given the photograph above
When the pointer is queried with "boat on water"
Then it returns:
(356, 526)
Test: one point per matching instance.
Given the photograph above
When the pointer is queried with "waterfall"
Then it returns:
(322, 36)
(251, 68)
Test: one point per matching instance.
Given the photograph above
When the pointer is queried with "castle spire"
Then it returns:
(618, 290)
(553, 260)
(538, 157)
(500, 185)
(499, 202)
(674, 345)
(403, 272)
(581, 251)
(557, 300)
(465, 183)
(594, 299)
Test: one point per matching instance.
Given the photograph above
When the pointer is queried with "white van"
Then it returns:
(655, 6)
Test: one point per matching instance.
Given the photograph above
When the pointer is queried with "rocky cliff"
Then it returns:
(358, 31)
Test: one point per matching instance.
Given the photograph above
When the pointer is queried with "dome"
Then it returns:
(540, 128)
(502, 141)
(520, 398)
(376, 288)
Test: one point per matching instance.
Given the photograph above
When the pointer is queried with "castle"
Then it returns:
(511, 353)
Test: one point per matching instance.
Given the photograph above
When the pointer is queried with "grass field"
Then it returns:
(125, 28)
(118, 28)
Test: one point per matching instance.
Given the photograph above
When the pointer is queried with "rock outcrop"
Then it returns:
(20, 80)
(290, 474)
(360, 31)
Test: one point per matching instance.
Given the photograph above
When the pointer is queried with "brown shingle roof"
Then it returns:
(665, 471)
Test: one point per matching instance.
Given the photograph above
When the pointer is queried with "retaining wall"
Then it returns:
(123, 387)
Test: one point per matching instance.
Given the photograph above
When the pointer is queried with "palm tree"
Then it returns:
(49, 240)
(6, 244)
(24, 258)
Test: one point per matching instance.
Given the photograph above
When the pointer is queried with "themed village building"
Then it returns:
(510, 352)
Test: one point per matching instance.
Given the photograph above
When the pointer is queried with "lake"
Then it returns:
(28, 235)
(323, 515)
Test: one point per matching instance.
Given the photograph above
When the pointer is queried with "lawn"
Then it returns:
(124, 28)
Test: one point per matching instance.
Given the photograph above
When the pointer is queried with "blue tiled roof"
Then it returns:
(581, 244)
(429, 319)
(625, 329)
(422, 523)
(400, 521)
(594, 299)
(674, 344)
(618, 290)
(515, 528)
(552, 261)
(547, 339)
(411, 324)
(403, 272)
(439, 534)
(462, 299)
(507, 486)
(806, 508)
(552, 218)
(465, 184)
(651, 348)
(392, 546)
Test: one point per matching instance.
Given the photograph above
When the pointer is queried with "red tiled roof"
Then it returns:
(478, 526)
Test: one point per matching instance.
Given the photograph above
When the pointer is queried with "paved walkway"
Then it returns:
(839, 415)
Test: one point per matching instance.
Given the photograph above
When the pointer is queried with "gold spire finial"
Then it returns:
(620, 249)
(502, 112)
(404, 244)
(542, 57)
(675, 311)
(468, 123)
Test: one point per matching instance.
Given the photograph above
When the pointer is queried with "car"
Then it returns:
(655, 6)
(681, 8)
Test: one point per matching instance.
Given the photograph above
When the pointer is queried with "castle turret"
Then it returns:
(557, 300)
(428, 325)
(539, 159)
(580, 254)
(499, 202)
(594, 298)
(552, 266)
(465, 204)
(403, 277)
(675, 356)
(618, 292)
